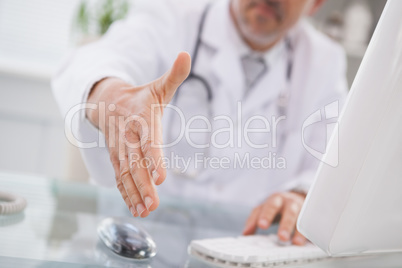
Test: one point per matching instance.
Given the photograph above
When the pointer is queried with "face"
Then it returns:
(265, 21)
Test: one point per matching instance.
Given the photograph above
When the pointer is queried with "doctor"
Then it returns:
(234, 131)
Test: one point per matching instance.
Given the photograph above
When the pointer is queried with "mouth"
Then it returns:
(267, 8)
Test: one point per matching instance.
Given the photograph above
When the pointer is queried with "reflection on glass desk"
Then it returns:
(58, 228)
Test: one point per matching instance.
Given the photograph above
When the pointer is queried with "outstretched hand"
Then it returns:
(133, 131)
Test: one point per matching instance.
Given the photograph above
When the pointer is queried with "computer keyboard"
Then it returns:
(253, 251)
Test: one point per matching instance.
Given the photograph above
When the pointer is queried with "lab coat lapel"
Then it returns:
(225, 64)
(228, 72)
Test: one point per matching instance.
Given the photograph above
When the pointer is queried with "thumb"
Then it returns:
(175, 76)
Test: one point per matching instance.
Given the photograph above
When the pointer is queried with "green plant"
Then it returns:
(82, 19)
(110, 13)
(95, 17)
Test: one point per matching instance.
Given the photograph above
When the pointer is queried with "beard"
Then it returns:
(259, 39)
(246, 29)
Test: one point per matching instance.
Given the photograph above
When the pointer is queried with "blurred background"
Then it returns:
(36, 34)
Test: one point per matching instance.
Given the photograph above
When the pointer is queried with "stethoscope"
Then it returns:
(193, 78)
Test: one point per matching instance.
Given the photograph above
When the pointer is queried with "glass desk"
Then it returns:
(58, 228)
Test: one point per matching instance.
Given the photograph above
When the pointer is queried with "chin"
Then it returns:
(256, 36)
(264, 41)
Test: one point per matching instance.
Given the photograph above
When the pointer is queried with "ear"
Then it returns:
(316, 6)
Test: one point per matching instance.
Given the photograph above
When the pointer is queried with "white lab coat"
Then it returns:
(141, 48)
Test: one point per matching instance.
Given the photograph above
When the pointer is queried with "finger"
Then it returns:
(130, 187)
(142, 180)
(114, 159)
(123, 192)
(138, 184)
(299, 239)
(270, 209)
(119, 183)
(151, 147)
(147, 135)
(251, 223)
(175, 77)
(126, 199)
(288, 221)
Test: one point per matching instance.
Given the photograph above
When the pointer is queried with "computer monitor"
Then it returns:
(356, 207)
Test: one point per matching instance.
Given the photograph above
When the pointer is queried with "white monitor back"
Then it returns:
(356, 207)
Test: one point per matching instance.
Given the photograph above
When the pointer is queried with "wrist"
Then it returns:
(101, 92)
